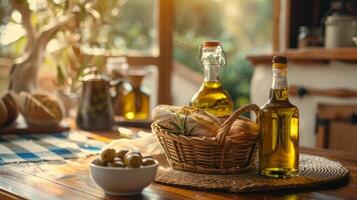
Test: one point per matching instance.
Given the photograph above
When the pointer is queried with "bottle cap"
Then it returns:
(280, 59)
(210, 43)
(279, 62)
(136, 78)
(211, 53)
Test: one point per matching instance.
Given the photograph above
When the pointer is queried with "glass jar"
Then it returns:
(309, 37)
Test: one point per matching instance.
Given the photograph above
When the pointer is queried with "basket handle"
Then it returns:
(226, 126)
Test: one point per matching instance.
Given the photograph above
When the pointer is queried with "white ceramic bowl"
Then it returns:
(122, 181)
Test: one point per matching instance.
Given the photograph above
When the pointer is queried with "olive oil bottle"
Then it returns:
(279, 125)
(136, 101)
(211, 96)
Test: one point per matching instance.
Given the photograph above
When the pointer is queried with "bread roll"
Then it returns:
(204, 123)
(10, 101)
(3, 113)
(51, 102)
(243, 126)
(40, 109)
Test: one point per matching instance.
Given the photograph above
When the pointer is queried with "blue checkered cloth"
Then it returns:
(46, 147)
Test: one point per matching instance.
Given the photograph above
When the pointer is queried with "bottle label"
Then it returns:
(279, 79)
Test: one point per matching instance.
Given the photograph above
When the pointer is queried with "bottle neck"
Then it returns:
(211, 73)
(279, 87)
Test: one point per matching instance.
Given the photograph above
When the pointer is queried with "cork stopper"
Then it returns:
(279, 62)
(136, 79)
(280, 59)
(210, 43)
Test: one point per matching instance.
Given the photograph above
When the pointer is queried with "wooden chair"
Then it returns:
(336, 124)
(336, 127)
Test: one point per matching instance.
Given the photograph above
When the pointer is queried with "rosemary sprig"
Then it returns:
(179, 126)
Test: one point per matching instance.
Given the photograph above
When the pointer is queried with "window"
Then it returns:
(144, 31)
(139, 29)
(243, 26)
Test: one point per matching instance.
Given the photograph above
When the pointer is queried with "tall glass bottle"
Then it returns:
(211, 96)
(279, 125)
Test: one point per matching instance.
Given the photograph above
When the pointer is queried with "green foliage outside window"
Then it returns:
(242, 26)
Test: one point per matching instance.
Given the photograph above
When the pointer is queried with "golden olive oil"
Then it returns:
(279, 125)
(136, 102)
(213, 99)
(136, 106)
(211, 96)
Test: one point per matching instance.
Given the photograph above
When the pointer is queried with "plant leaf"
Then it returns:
(179, 125)
(60, 76)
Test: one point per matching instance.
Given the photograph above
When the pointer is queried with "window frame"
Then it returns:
(164, 59)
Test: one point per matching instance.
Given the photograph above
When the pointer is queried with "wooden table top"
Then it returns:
(70, 179)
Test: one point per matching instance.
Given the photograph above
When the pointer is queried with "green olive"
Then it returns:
(132, 160)
(118, 159)
(116, 163)
(136, 152)
(121, 153)
(98, 162)
(107, 155)
(148, 157)
(148, 161)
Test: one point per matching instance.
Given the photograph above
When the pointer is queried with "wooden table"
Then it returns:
(70, 179)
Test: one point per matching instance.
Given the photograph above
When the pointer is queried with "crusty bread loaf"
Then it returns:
(51, 102)
(9, 99)
(205, 124)
(243, 126)
(40, 109)
(3, 113)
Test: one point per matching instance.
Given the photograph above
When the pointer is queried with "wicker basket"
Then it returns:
(211, 155)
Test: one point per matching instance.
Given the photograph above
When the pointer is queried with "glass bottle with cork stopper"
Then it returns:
(279, 126)
(136, 101)
(211, 96)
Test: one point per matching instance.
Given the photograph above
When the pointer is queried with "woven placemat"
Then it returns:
(314, 171)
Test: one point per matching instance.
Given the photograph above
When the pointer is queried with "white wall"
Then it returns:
(332, 75)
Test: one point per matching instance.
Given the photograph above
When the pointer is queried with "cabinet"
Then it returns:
(289, 16)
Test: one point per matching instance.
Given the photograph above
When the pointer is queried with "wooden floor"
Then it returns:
(70, 179)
